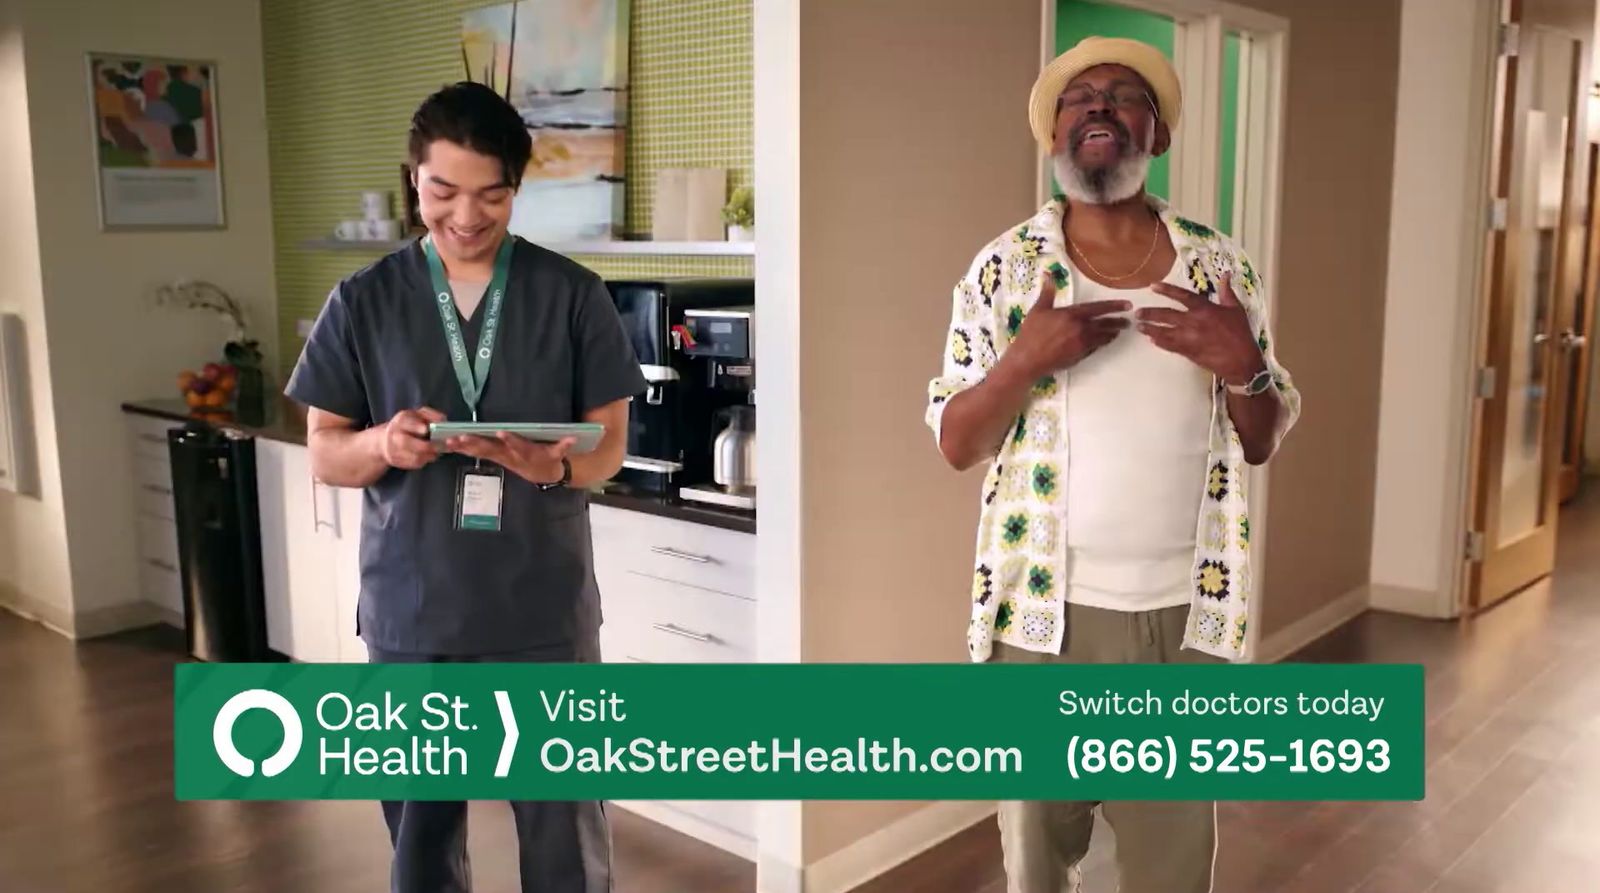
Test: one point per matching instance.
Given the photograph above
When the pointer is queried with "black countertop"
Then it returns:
(620, 496)
(286, 422)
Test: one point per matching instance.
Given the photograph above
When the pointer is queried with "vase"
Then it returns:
(250, 398)
(741, 233)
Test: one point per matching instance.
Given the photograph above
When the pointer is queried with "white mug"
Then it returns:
(349, 230)
(375, 205)
(380, 230)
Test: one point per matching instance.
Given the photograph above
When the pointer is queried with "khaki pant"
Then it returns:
(1162, 847)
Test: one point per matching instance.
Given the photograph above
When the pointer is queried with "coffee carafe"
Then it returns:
(733, 453)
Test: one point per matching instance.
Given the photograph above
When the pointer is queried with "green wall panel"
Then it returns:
(342, 79)
(1228, 151)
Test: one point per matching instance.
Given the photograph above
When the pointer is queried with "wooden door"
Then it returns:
(1536, 253)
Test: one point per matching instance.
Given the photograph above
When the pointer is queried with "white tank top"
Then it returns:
(1138, 431)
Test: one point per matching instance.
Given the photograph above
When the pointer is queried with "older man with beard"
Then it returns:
(1138, 337)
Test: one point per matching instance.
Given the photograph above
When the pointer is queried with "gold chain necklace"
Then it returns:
(1155, 238)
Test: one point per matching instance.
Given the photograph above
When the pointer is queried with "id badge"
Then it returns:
(478, 495)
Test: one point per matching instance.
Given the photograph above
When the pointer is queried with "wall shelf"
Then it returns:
(639, 247)
(371, 247)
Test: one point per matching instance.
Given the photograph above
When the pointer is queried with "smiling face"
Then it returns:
(1107, 130)
(464, 201)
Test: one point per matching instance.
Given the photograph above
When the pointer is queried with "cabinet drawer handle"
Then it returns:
(676, 630)
(151, 438)
(158, 564)
(152, 488)
(685, 556)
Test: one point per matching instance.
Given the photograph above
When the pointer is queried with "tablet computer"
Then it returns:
(587, 434)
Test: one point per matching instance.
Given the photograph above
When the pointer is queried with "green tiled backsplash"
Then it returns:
(344, 77)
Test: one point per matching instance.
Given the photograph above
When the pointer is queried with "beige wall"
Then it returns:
(107, 344)
(1338, 165)
(34, 565)
(914, 152)
(1440, 188)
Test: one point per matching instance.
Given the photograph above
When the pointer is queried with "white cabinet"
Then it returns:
(673, 591)
(347, 585)
(297, 548)
(308, 530)
(155, 533)
(677, 592)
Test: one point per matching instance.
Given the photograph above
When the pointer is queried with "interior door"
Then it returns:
(1536, 259)
(1576, 341)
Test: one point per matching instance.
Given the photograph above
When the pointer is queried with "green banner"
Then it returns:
(798, 732)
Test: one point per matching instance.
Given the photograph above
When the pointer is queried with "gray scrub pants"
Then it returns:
(563, 847)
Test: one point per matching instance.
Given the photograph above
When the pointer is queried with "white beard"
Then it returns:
(1106, 186)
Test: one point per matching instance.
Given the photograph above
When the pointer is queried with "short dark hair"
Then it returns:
(472, 115)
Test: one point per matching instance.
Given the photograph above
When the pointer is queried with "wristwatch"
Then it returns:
(1258, 384)
(566, 476)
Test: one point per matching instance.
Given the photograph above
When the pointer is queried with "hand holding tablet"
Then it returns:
(585, 436)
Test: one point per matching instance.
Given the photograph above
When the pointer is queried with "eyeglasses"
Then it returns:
(1122, 96)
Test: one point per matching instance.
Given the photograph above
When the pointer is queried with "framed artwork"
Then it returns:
(157, 158)
(564, 65)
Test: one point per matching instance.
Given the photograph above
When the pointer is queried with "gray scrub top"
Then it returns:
(378, 348)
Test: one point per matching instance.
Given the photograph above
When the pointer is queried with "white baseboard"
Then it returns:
(777, 875)
(116, 618)
(87, 624)
(694, 826)
(894, 844)
(164, 614)
(1412, 602)
(1314, 626)
(55, 618)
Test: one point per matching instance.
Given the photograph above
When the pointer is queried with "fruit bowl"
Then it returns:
(213, 387)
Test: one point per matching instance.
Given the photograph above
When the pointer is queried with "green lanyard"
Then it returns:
(471, 384)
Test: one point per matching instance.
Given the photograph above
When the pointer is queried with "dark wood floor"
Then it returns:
(1513, 800)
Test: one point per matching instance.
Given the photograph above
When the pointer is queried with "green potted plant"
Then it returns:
(740, 215)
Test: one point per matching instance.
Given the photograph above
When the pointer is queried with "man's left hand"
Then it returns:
(537, 463)
(1217, 337)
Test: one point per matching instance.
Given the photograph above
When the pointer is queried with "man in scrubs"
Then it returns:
(477, 549)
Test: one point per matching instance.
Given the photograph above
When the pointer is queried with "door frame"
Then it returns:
(1584, 318)
(1201, 27)
(1470, 330)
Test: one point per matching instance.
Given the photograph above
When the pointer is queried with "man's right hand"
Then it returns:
(1052, 339)
(405, 438)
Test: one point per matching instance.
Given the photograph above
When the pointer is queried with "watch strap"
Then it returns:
(1258, 384)
(566, 476)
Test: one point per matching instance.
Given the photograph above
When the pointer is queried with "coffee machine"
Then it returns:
(722, 341)
(671, 427)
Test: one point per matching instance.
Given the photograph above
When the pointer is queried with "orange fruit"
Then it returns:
(216, 398)
(186, 378)
(194, 400)
(227, 383)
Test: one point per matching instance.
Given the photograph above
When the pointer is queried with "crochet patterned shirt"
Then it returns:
(1019, 575)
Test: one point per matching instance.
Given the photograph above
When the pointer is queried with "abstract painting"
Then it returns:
(564, 65)
(155, 126)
